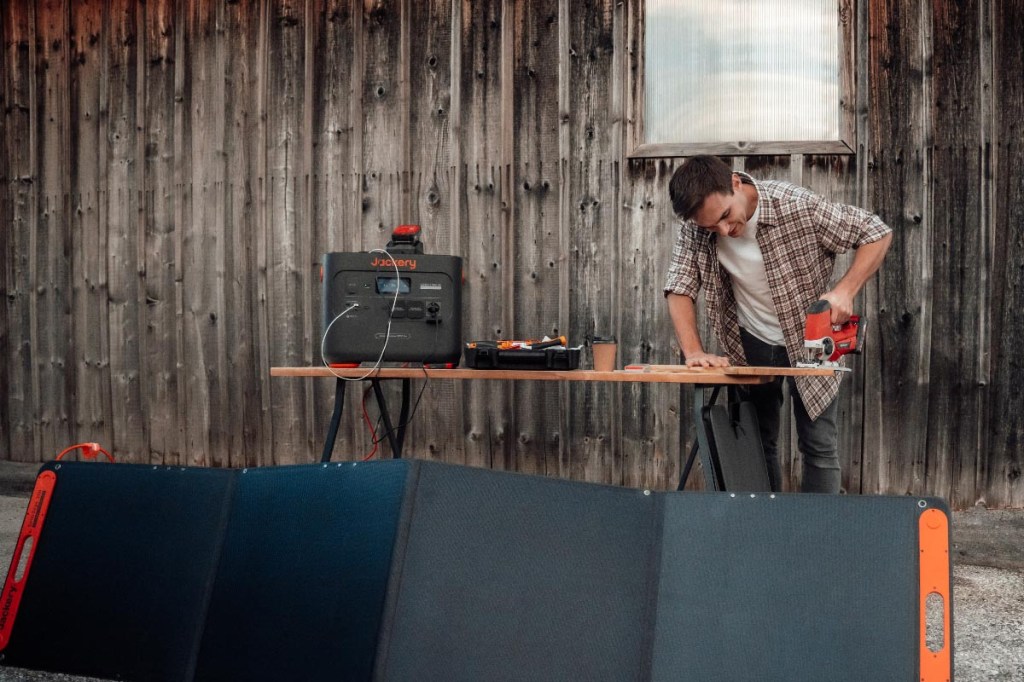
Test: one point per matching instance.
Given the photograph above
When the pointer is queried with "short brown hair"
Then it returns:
(698, 178)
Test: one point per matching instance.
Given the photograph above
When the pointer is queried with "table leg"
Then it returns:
(332, 431)
(689, 464)
(403, 417)
(711, 480)
(393, 437)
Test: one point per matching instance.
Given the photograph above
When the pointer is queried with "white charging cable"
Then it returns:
(387, 335)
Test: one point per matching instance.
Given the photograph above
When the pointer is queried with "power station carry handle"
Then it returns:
(405, 232)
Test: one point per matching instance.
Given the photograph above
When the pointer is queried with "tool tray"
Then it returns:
(485, 355)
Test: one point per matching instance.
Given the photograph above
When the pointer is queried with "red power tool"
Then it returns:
(826, 342)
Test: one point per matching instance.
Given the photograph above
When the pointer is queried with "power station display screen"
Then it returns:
(388, 285)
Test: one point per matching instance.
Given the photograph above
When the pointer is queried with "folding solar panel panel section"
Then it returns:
(122, 571)
(735, 443)
(302, 578)
(424, 571)
(789, 587)
(506, 576)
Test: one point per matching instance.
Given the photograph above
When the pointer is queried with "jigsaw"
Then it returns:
(825, 342)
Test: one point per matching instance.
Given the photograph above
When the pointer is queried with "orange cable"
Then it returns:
(89, 451)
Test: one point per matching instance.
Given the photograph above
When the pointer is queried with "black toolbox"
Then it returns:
(486, 355)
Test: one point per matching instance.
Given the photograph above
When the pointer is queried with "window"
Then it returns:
(747, 77)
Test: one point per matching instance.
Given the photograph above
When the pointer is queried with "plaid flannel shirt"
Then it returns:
(800, 234)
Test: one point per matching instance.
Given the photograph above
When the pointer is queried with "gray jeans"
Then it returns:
(817, 440)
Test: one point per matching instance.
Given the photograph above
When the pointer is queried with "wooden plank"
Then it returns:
(332, 144)
(247, 436)
(405, 30)
(987, 238)
(1003, 482)
(160, 352)
(384, 139)
(223, 430)
(288, 272)
(119, 119)
(139, 224)
(534, 215)
(5, 252)
(481, 224)
(956, 396)
(215, 236)
(899, 165)
(92, 401)
(307, 181)
(356, 115)
(333, 128)
(32, 255)
(848, 25)
(202, 241)
(52, 364)
(22, 167)
(633, 68)
(260, 189)
(430, 138)
(183, 37)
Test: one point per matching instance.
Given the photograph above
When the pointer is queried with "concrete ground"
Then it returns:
(988, 585)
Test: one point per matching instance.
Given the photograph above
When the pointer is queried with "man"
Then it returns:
(763, 252)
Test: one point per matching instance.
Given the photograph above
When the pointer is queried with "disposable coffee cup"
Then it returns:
(604, 349)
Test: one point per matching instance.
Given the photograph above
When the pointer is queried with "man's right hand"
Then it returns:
(707, 360)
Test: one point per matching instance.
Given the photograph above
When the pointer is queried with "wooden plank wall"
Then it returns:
(172, 171)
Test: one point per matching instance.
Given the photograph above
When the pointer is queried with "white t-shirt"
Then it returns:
(741, 257)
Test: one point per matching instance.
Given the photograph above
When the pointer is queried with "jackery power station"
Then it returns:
(420, 295)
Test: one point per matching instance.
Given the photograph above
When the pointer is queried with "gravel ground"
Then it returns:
(988, 592)
(988, 625)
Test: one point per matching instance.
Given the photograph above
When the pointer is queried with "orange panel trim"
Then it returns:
(933, 530)
(31, 527)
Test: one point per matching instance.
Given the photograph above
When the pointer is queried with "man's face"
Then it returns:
(725, 214)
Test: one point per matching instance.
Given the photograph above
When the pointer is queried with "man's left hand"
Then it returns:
(841, 303)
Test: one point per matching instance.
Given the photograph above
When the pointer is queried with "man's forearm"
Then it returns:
(866, 262)
(869, 257)
(684, 320)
